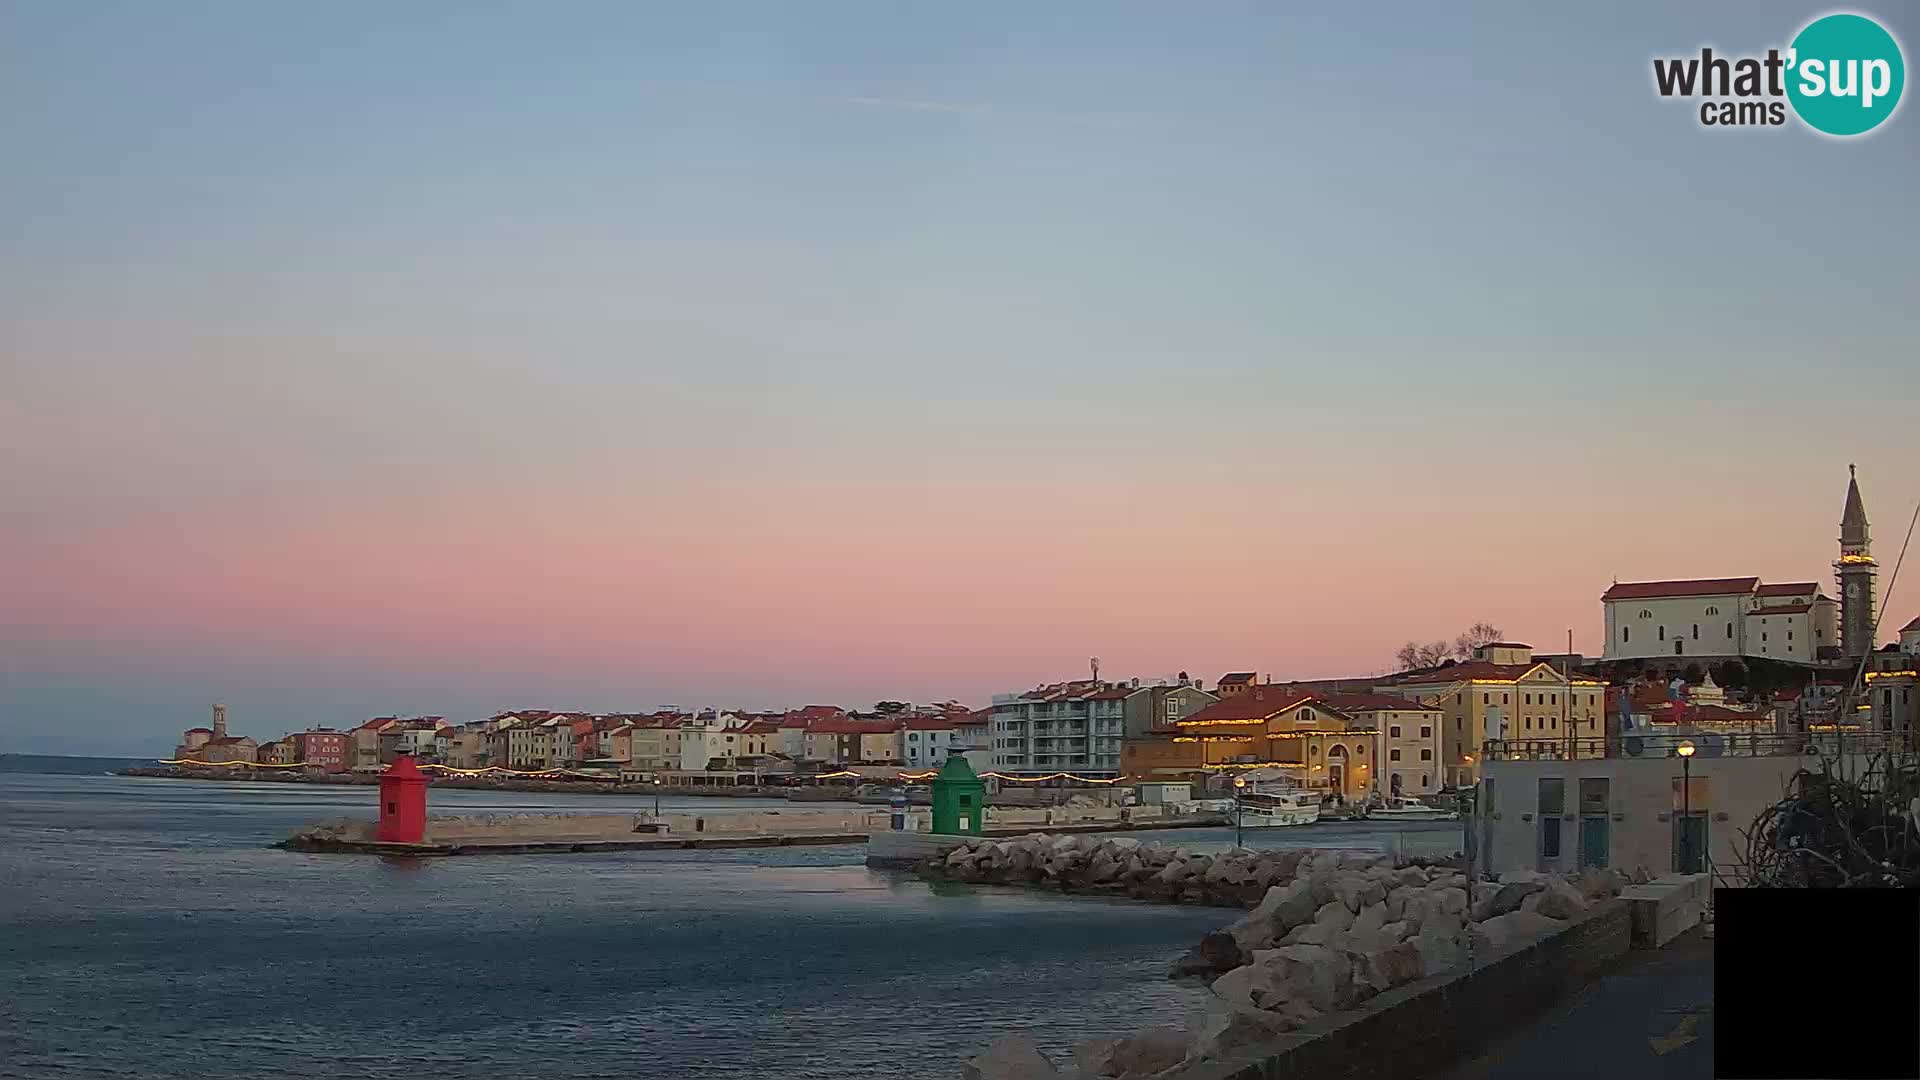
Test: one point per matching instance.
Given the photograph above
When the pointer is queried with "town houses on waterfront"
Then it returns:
(1722, 657)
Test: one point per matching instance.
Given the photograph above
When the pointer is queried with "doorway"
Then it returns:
(1595, 820)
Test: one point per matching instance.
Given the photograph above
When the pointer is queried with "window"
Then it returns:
(1393, 732)
(1645, 614)
(1486, 699)
(1529, 699)
(1594, 792)
(1426, 754)
(1423, 779)
(1504, 697)
(1729, 631)
(1713, 611)
(1552, 804)
(1173, 709)
(1426, 730)
(1696, 631)
(1556, 700)
(1360, 750)
(1763, 635)
(1663, 633)
(1626, 634)
(1789, 635)
(1393, 754)
(1527, 722)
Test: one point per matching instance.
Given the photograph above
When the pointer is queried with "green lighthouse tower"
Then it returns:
(957, 799)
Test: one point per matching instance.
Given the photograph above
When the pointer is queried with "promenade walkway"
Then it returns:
(1650, 1018)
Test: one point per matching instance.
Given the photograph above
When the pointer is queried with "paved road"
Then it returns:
(1652, 1018)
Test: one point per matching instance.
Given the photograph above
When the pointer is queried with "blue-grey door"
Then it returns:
(1690, 842)
(1593, 840)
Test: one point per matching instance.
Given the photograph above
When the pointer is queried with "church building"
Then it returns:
(1739, 617)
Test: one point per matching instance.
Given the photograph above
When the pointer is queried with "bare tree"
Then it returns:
(1414, 655)
(1480, 633)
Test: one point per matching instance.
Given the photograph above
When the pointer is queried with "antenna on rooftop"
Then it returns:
(1095, 663)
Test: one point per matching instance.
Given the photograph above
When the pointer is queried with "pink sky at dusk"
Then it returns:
(628, 360)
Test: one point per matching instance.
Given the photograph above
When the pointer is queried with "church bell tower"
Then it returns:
(1855, 570)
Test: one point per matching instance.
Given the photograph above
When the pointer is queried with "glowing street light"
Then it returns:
(1239, 812)
(1685, 750)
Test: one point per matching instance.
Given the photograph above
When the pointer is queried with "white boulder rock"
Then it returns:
(1010, 1057)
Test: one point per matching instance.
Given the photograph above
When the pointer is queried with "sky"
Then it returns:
(361, 358)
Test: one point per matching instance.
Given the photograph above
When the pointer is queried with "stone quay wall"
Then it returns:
(1405, 1032)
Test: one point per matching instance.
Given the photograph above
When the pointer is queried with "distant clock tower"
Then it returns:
(1856, 570)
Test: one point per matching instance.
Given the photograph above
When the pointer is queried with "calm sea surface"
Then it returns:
(147, 929)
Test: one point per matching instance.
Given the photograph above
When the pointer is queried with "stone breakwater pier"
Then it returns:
(1345, 963)
(576, 833)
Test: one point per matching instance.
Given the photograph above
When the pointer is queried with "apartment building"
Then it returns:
(1073, 727)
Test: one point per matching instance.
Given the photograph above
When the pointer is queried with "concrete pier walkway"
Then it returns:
(1651, 1017)
(561, 844)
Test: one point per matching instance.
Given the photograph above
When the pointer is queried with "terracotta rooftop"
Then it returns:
(1258, 703)
(1235, 678)
(1655, 590)
(1473, 669)
(1792, 588)
(762, 727)
(1662, 714)
(1373, 703)
(841, 725)
(929, 723)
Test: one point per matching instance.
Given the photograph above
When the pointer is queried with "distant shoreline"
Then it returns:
(488, 783)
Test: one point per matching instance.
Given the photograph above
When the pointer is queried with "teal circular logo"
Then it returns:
(1844, 74)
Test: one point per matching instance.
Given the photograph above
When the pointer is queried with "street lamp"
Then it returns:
(1685, 750)
(1239, 812)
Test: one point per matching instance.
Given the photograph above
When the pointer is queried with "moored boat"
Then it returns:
(1398, 809)
(1275, 808)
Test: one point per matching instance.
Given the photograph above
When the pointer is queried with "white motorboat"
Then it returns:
(1271, 809)
(1398, 809)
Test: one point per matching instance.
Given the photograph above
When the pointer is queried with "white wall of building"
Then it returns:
(1643, 794)
(1782, 637)
(1698, 625)
(927, 748)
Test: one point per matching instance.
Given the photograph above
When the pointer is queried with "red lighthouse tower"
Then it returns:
(403, 803)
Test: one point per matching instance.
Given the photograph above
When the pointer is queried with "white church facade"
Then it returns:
(1719, 618)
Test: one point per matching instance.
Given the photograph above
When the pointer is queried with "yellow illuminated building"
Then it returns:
(1505, 694)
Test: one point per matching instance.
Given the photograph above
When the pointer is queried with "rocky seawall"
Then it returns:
(1327, 931)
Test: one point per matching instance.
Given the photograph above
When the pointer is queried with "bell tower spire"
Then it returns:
(1856, 571)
